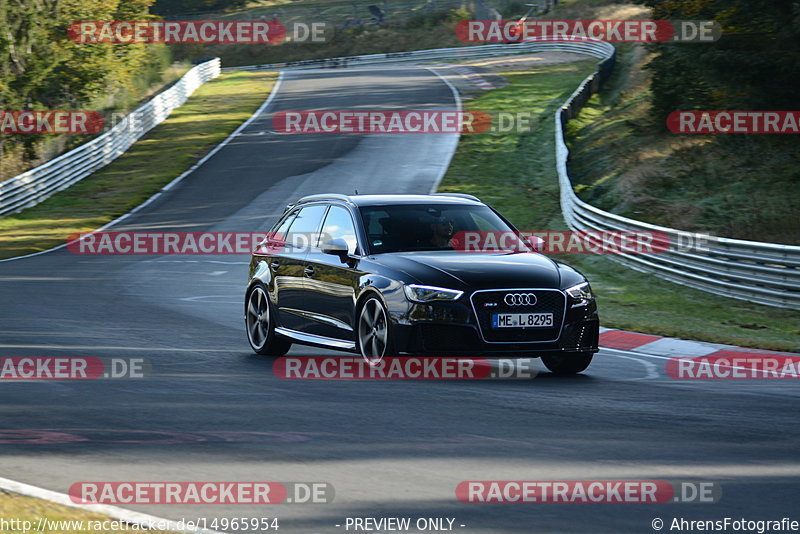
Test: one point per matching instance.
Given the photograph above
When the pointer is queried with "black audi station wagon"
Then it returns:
(383, 275)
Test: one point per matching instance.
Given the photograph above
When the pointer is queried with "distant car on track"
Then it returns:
(379, 275)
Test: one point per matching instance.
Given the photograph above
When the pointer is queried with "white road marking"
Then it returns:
(667, 346)
(652, 369)
(457, 99)
(206, 297)
(672, 357)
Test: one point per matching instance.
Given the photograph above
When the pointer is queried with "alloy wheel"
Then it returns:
(373, 331)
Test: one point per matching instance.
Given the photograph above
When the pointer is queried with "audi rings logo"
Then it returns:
(520, 299)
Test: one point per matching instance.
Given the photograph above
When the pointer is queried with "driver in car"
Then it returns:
(442, 231)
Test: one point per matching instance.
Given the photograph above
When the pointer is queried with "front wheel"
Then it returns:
(260, 325)
(373, 331)
(567, 363)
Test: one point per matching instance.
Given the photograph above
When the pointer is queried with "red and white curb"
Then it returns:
(470, 75)
(669, 347)
(114, 512)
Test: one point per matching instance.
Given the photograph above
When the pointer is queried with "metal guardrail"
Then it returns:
(596, 49)
(37, 184)
(765, 273)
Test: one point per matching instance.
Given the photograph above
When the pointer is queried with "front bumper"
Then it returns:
(454, 329)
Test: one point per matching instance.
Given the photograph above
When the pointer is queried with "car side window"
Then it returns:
(278, 233)
(339, 225)
(305, 227)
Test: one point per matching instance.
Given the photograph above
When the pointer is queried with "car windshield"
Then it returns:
(421, 227)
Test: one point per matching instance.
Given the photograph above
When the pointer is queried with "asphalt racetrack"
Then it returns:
(214, 411)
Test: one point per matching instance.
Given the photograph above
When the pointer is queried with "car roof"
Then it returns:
(381, 200)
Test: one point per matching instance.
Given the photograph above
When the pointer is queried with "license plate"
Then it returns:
(522, 320)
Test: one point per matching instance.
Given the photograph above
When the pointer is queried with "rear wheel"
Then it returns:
(568, 363)
(260, 325)
(373, 331)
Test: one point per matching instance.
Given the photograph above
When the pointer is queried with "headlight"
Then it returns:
(417, 293)
(581, 293)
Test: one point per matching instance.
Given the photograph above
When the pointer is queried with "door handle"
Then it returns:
(309, 271)
(274, 264)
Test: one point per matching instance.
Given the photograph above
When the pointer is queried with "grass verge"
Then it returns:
(55, 519)
(211, 114)
(515, 172)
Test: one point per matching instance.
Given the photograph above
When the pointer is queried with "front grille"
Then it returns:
(486, 303)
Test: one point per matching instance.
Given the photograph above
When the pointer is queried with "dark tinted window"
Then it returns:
(305, 227)
(339, 225)
(279, 232)
(308, 220)
(417, 227)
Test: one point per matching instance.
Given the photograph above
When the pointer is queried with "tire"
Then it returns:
(258, 315)
(373, 331)
(568, 363)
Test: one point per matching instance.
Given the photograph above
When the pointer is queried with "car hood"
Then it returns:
(467, 270)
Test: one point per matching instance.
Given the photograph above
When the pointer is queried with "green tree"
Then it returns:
(41, 68)
(754, 65)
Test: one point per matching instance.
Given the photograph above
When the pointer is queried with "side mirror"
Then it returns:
(536, 242)
(336, 247)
